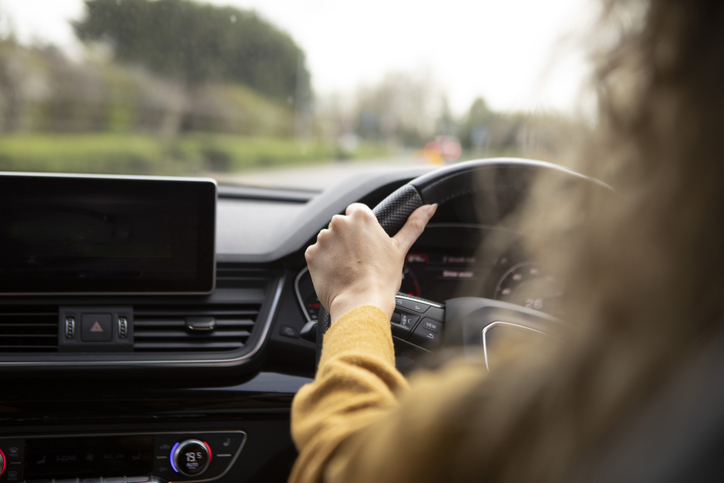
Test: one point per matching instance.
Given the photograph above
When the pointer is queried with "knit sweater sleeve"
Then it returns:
(349, 424)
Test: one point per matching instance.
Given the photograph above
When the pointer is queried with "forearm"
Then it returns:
(356, 383)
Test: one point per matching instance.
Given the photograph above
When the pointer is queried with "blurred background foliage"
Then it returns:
(182, 87)
(198, 43)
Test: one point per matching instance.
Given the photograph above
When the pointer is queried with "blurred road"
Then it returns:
(315, 177)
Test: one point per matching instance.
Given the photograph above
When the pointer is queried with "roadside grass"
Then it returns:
(117, 153)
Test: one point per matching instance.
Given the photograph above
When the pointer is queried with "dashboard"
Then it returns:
(198, 386)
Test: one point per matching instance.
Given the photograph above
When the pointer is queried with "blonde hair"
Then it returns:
(645, 269)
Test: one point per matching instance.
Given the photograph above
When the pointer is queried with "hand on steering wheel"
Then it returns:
(355, 262)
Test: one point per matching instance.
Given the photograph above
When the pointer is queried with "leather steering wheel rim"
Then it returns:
(441, 186)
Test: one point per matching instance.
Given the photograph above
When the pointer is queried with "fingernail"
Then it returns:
(431, 209)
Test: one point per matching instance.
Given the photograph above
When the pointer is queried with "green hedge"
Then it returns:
(149, 154)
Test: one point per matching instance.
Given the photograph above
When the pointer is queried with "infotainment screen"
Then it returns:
(97, 234)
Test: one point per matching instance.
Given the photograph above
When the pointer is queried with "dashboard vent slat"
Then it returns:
(180, 334)
(28, 329)
(179, 346)
(165, 328)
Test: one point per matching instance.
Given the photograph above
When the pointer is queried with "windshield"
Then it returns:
(282, 92)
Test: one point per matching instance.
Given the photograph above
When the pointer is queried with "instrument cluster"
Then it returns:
(451, 261)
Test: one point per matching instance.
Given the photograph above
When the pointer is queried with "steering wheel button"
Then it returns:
(407, 320)
(412, 305)
(423, 336)
(431, 325)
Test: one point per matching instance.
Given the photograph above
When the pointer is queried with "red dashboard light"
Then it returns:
(209, 448)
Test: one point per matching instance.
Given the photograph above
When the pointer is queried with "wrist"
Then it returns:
(350, 300)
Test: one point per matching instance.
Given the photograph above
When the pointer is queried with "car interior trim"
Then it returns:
(221, 362)
(299, 295)
(413, 299)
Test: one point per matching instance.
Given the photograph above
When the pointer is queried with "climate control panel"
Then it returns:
(191, 457)
(120, 457)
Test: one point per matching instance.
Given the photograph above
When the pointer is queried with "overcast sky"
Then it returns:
(517, 54)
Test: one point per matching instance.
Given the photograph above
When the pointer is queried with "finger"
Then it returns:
(357, 207)
(414, 226)
(336, 220)
(310, 252)
(322, 235)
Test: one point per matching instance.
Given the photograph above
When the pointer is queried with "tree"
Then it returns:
(476, 130)
(197, 43)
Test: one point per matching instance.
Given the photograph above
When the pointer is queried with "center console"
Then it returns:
(120, 458)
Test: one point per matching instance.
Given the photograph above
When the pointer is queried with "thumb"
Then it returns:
(414, 226)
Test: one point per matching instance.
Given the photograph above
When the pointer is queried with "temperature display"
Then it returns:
(191, 457)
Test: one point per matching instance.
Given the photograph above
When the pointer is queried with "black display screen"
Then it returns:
(88, 457)
(63, 234)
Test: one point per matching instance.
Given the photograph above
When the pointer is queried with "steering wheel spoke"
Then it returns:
(479, 324)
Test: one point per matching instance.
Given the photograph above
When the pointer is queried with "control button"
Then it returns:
(13, 457)
(431, 325)
(224, 445)
(436, 313)
(403, 323)
(13, 476)
(69, 327)
(134, 479)
(164, 448)
(96, 328)
(190, 458)
(90, 480)
(75, 480)
(407, 320)
(288, 331)
(413, 305)
(424, 336)
(122, 327)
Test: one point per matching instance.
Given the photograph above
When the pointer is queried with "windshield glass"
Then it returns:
(282, 92)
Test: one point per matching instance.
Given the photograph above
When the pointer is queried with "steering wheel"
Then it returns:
(468, 321)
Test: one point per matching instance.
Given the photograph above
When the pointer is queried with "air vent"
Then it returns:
(28, 329)
(184, 328)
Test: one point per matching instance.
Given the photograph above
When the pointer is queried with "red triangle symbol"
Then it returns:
(96, 327)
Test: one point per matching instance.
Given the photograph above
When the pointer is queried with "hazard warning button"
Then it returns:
(96, 328)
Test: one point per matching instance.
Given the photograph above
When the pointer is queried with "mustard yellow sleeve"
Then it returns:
(348, 425)
(356, 382)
